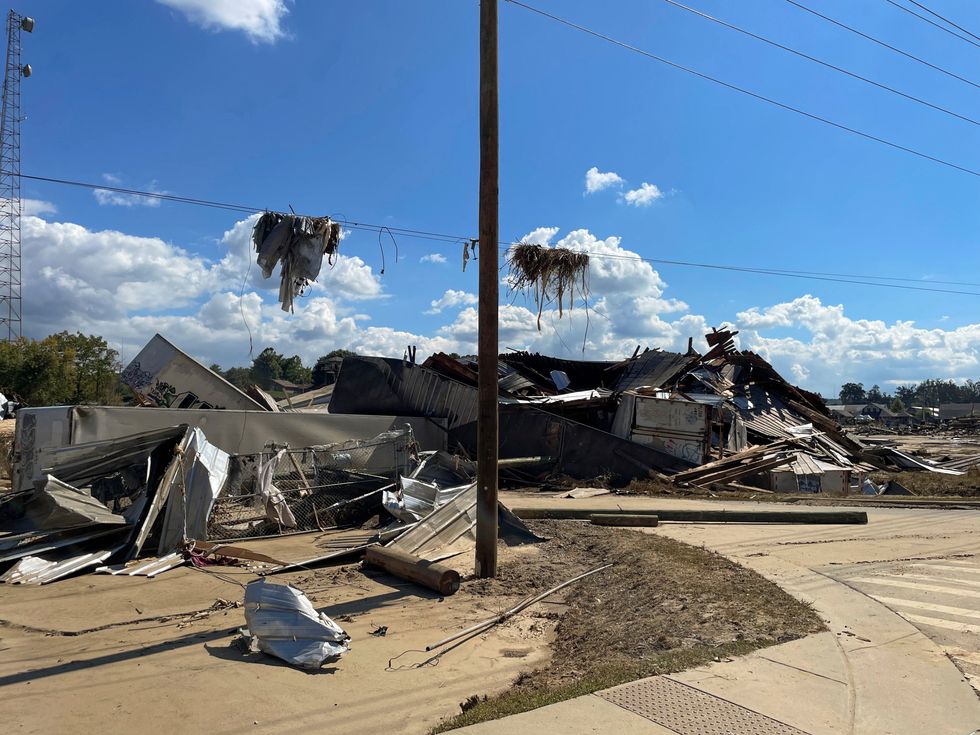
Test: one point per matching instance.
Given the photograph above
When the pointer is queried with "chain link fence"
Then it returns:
(321, 487)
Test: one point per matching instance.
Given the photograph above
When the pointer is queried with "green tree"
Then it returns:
(294, 371)
(852, 393)
(875, 395)
(934, 392)
(906, 393)
(240, 377)
(60, 369)
(897, 406)
(266, 368)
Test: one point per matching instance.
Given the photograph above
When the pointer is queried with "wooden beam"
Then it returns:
(487, 445)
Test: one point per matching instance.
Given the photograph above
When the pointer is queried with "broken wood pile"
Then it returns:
(744, 464)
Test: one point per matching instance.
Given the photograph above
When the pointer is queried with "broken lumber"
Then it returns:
(746, 470)
(702, 516)
(429, 574)
(734, 460)
(623, 519)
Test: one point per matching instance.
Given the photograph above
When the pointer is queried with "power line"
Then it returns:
(813, 277)
(932, 22)
(245, 209)
(809, 275)
(826, 64)
(884, 44)
(742, 90)
(945, 20)
(776, 271)
(449, 239)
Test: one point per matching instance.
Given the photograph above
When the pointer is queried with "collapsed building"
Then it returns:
(382, 456)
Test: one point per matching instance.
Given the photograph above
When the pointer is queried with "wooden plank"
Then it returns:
(734, 459)
(746, 470)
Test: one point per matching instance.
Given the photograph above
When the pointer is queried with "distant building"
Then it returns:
(290, 388)
(949, 411)
(857, 413)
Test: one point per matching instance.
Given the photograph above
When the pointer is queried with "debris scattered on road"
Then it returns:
(282, 622)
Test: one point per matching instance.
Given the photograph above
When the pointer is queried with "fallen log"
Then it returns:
(622, 519)
(429, 574)
(701, 516)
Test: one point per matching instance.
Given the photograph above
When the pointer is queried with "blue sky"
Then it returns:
(368, 111)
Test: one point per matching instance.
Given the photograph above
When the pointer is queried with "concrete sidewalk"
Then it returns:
(872, 673)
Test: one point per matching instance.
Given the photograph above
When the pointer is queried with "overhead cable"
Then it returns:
(884, 44)
(743, 90)
(448, 239)
(826, 64)
(945, 19)
(931, 22)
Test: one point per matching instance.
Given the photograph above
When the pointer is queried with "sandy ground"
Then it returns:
(187, 674)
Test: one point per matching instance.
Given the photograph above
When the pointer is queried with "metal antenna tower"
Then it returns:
(10, 204)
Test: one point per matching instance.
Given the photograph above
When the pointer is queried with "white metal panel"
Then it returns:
(677, 427)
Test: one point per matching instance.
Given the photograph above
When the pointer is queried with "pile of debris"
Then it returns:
(110, 485)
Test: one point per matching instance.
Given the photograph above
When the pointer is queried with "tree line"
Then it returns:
(69, 369)
(61, 369)
(270, 365)
(929, 393)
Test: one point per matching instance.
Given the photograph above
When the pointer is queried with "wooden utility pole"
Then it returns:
(486, 430)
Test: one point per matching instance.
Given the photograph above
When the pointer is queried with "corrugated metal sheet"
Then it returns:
(450, 528)
(765, 414)
(35, 570)
(653, 368)
(145, 568)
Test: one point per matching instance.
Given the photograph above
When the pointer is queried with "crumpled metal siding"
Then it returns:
(282, 622)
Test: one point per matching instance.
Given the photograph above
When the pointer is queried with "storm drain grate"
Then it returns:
(689, 711)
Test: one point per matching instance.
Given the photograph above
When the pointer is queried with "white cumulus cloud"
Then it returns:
(433, 258)
(540, 236)
(107, 197)
(260, 20)
(646, 195)
(126, 288)
(596, 180)
(836, 348)
(451, 299)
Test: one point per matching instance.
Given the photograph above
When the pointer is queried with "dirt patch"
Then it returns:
(664, 606)
(935, 484)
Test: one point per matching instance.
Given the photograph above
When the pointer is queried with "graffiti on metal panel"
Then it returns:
(160, 393)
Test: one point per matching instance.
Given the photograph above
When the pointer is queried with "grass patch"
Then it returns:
(521, 699)
(664, 607)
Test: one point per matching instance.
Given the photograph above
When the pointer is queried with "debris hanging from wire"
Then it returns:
(547, 274)
(299, 243)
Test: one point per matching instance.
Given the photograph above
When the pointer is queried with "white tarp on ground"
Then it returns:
(282, 622)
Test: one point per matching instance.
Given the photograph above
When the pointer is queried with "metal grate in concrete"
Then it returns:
(689, 711)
